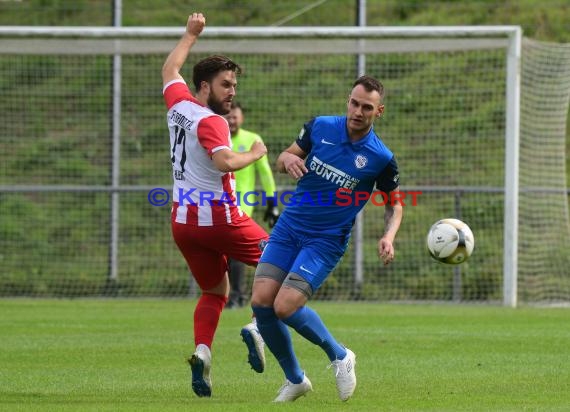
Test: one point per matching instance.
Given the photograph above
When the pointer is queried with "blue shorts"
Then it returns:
(313, 257)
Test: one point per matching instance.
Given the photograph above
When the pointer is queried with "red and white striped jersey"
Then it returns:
(196, 133)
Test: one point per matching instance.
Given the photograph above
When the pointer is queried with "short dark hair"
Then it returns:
(206, 69)
(370, 84)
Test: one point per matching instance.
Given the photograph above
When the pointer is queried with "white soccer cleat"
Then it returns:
(200, 363)
(345, 375)
(291, 391)
(255, 347)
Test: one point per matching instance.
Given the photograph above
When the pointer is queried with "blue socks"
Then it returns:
(310, 326)
(278, 340)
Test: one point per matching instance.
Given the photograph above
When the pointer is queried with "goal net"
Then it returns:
(544, 235)
(84, 140)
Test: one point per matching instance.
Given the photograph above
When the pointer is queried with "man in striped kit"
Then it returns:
(207, 225)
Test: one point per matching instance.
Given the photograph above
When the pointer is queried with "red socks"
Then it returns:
(206, 317)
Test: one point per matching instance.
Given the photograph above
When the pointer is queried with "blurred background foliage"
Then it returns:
(547, 20)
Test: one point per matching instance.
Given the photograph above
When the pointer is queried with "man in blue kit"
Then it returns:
(334, 157)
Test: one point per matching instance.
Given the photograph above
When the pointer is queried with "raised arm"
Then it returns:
(177, 57)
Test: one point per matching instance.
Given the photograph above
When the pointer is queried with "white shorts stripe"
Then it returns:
(228, 213)
(205, 216)
(181, 214)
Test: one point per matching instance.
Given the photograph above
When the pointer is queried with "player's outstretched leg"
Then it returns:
(255, 347)
(200, 363)
(291, 391)
(345, 375)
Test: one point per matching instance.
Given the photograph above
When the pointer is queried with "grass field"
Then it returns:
(127, 355)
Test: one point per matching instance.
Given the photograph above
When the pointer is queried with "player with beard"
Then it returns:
(207, 225)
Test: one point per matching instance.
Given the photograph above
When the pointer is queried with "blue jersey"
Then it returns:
(328, 197)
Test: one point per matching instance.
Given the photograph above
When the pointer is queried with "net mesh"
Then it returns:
(544, 223)
(444, 120)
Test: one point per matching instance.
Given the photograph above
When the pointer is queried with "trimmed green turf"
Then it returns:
(129, 355)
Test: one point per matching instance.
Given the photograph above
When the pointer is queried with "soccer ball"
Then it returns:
(450, 241)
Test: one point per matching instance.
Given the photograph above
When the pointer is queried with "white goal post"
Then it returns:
(16, 40)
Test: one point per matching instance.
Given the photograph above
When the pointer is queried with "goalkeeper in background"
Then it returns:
(242, 140)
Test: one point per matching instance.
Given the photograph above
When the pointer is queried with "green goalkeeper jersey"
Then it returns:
(245, 178)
